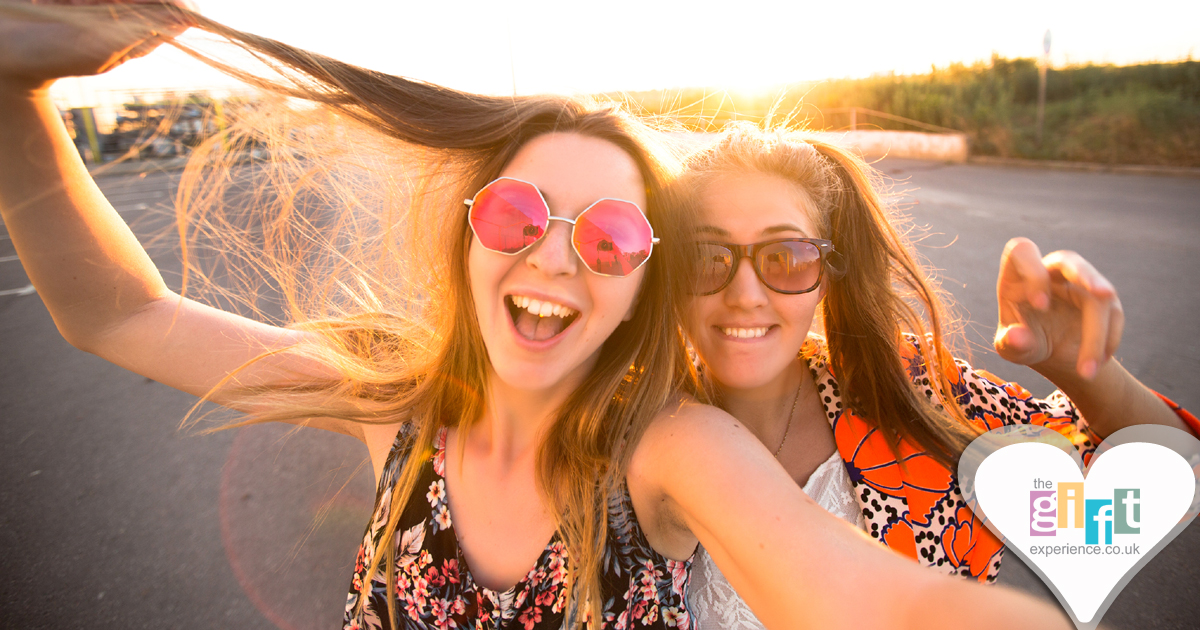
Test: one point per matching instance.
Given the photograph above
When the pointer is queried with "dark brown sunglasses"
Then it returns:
(788, 265)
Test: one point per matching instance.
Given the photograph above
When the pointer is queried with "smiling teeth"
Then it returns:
(745, 333)
(540, 308)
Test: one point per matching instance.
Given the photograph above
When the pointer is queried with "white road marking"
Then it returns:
(9, 258)
(29, 290)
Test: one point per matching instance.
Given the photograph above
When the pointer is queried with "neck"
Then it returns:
(765, 409)
(515, 420)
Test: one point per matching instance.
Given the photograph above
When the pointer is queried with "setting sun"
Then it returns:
(540, 46)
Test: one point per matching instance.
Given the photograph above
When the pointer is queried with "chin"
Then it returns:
(532, 378)
(540, 375)
(739, 379)
(741, 384)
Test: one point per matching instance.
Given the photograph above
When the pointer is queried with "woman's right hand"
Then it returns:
(45, 40)
(697, 473)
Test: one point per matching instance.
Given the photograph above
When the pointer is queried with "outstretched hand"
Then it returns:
(1057, 313)
(45, 40)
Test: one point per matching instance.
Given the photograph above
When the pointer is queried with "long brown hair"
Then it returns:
(882, 294)
(355, 224)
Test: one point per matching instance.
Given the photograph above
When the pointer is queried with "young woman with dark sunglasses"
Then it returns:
(791, 226)
(533, 381)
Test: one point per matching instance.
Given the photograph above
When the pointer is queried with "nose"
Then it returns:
(554, 255)
(745, 291)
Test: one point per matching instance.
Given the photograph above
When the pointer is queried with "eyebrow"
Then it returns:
(774, 229)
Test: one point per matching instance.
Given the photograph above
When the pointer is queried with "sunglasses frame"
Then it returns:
(550, 217)
(824, 251)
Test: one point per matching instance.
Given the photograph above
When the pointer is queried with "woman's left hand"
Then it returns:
(1058, 315)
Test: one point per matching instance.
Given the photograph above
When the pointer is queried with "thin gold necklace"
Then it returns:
(791, 414)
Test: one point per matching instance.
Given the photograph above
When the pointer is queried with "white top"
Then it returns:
(714, 603)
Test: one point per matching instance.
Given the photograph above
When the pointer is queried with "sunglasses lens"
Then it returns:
(613, 237)
(714, 264)
(508, 216)
(791, 266)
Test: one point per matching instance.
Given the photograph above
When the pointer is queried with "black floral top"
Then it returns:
(642, 589)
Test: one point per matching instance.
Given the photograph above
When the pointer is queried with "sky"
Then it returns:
(533, 46)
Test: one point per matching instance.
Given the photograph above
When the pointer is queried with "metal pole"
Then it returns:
(89, 125)
(1041, 105)
(1041, 108)
(219, 115)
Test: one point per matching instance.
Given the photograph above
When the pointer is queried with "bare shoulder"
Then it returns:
(683, 415)
(379, 438)
(688, 469)
(660, 466)
(683, 425)
(689, 439)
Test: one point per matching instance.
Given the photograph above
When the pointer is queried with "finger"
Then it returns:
(1017, 344)
(139, 49)
(1023, 278)
(165, 12)
(1076, 270)
(145, 39)
(182, 4)
(1116, 327)
(144, 48)
(177, 12)
(1094, 335)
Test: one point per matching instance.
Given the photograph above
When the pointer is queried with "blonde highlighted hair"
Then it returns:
(881, 293)
(353, 229)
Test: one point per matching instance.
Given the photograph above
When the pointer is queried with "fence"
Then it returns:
(856, 111)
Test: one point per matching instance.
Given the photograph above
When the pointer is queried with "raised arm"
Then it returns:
(698, 471)
(103, 291)
(1061, 317)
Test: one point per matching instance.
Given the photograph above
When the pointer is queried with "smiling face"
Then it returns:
(544, 315)
(748, 334)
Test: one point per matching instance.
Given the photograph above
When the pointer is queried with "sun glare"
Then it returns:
(531, 46)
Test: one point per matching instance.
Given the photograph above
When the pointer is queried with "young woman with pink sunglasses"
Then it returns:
(870, 417)
(523, 372)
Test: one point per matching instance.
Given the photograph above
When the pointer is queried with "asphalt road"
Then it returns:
(112, 518)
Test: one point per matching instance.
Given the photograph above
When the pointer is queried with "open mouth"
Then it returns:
(537, 320)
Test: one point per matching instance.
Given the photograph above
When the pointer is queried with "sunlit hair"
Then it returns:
(883, 294)
(348, 222)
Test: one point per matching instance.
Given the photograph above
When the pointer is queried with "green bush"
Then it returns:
(1143, 114)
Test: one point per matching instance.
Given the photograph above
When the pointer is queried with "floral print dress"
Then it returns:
(435, 590)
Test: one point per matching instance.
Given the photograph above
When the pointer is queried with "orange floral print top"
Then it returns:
(917, 509)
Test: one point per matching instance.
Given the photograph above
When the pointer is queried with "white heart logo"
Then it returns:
(1085, 536)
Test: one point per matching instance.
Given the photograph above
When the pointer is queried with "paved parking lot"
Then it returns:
(111, 518)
